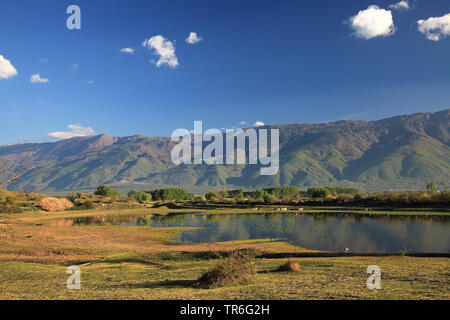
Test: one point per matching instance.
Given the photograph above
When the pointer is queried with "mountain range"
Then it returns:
(398, 153)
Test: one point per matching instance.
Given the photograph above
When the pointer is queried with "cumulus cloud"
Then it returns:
(90, 82)
(373, 22)
(242, 123)
(259, 124)
(7, 70)
(73, 130)
(435, 28)
(127, 50)
(402, 5)
(193, 38)
(164, 49)
(36, 78)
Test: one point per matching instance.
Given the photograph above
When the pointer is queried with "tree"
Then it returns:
(143, 197)
(236, 194)
(431, 187)
(270, 199)
(169, 194)
(284, 191)
(107, 191)
(318, 192)
(133, 194)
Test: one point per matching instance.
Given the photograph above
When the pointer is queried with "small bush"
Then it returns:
(9, 209)
(9, 200)
(210, 195)
(54, 204)
(86, 205)
(290, 266)
(73, 197)
(238, 267)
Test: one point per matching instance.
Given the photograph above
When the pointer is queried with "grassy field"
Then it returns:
(128, 262)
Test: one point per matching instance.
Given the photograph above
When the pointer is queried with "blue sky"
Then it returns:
(270, 61)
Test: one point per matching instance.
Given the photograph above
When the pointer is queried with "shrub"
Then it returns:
(9, 200)
(88, 204)
(73, 197)
(238, 267)
(210, 195)
(290, 266)
(198, 198)
(107, 191)
(143, 197)
(270, 199)
(54, 204)
(9, 209)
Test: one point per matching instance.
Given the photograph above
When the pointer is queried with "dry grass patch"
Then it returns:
(290, 266)
(237, 268)
(54, 204)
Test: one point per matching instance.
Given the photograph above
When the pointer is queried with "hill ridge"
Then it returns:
(401, 152)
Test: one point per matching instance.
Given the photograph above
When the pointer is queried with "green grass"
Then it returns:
(318, 278)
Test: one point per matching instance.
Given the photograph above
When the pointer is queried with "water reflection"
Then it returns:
(114, 220)
(329, 232)
(362, 234)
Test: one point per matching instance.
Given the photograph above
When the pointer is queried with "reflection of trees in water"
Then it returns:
(168, 220)
(111, 220)
(376, 234)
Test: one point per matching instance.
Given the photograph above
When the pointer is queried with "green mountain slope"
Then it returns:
(397, 153)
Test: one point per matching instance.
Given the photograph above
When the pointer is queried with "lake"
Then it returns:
(328, 232)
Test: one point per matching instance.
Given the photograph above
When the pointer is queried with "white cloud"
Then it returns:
(127, 50)
(90, 82)
(242, 123)
(74, 66)
(164, 49)
(7, 70)
(435, 28)
(193, 38)
(36, 78)
(74, 130)
(373, 22)
(43, 60)
(259, 124)
(402, 5)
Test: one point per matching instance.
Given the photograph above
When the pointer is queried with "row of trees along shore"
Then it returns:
(292, 195)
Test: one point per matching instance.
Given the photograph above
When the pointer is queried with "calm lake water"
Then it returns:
(329, 232)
